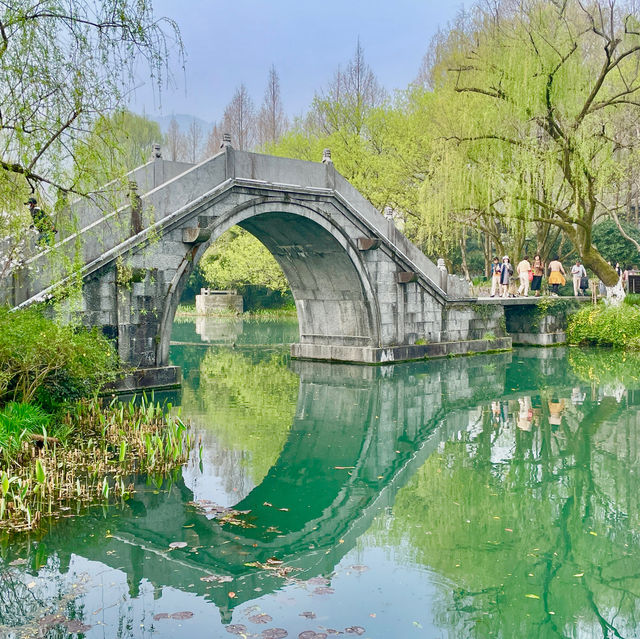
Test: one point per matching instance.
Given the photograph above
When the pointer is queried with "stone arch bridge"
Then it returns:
(363, 292)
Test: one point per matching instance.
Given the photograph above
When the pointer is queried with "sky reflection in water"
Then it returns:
(492, 496)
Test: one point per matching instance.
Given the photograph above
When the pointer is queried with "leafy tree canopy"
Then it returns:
(239, 259)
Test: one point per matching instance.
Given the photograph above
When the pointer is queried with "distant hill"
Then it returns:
(183, 120)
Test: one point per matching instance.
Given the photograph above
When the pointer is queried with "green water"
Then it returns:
(491, 496)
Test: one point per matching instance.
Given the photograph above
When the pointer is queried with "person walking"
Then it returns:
(495, 275)
(556, 275)
(538, 272)
(524, 269)
(506, 271)
(42, 222)
(577, 273)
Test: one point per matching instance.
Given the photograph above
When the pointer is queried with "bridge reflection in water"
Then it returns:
(358, 435)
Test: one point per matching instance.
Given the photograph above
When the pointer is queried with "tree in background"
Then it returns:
(272, 121)
(193, 142)
(238, 259)
(176, 142)
(69, 64)
(533, 106)
(213, 142)
(240, 120)
(118, 143)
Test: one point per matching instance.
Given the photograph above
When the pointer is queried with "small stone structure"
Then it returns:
(210, 301)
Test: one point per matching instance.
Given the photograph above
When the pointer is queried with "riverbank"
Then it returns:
(605, 325)
(61, 447)
(95, 457)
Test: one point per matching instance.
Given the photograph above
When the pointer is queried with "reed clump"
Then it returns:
(105, 447)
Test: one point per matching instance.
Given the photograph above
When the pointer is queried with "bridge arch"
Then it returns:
(335, 300)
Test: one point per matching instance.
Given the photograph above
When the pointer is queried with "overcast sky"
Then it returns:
(233, 41)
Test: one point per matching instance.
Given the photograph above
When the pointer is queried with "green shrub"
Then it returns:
(633, 299)
(606, 326)
(49, 363)
(17, 422)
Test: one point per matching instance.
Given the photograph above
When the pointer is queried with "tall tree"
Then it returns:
(344, 104)
(176, 142)
(193, 141)
(534, 104)
(272, 121)
(214, 141)
(240, 120)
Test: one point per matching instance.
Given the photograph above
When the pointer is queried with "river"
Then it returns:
(487, 496)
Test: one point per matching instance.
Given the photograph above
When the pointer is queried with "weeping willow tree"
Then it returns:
(535, 102)
(63, 65)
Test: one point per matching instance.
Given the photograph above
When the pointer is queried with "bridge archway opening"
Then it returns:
(334, 299)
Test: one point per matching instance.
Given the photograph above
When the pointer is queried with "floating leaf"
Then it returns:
(359, 568)
(355, 630)
(185, 614)
(75, 625)
(261, 618)
(161, 615)
(308, 615)
(312, 634)
(236, 629)
(274, 633)
(323, 590)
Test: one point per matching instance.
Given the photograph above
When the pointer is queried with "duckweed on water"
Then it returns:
(109, 445)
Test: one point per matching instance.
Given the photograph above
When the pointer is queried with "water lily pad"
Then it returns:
(261, 618)
(312, 634)
(323, 590)
(75, 625)
(355, 630)
(359, 568)
(178, 544)
(274, 633)
(184, 614)
(161, 615)
(236, 629)
(318, 581)
(49, 621)
(308, 615)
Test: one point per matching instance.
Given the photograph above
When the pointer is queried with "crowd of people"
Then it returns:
(528, 275)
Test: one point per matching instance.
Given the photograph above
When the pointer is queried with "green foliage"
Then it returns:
(606, 326)
(17, 422)
(613, 246)
(44, 361)
(117, 143)
(632, 299)
(238, 259)
(69, 63)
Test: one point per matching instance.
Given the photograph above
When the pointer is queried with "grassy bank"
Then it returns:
(604, 325)
(60, 446)
(102, 448)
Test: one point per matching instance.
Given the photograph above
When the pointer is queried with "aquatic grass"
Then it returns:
(109, 446)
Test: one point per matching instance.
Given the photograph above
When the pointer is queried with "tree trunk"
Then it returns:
(594, 261)
(463, 251)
